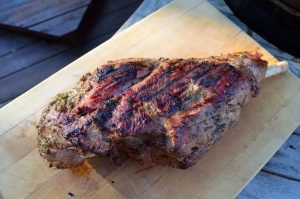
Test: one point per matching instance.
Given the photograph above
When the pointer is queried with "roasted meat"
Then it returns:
(157, 111)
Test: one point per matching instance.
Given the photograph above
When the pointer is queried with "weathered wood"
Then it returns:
(27, 16)
(65, 23)
(8, 5)
(53, 25)
(28, 56)
(44, 69)
(58, 26)
(286, 161)
(37, 72)
(33, 12)
(30, 16)
(40, 50)
(297, 131)
(36, 56)
(268, 186)
(9, 43)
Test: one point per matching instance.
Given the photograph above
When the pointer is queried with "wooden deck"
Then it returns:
(26, 61)
(55, 19)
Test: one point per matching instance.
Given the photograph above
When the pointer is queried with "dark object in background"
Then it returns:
(278, 21)
(51, 19)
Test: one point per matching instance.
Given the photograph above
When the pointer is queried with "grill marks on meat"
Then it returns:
(91, 131)
(161, 94)
(167, 112)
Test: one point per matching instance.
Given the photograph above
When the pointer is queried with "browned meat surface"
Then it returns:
(166, 111)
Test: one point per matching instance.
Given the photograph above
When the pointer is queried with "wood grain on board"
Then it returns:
(191, 28)
(269, 186)
(284, 165)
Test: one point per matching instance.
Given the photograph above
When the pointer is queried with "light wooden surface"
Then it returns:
(191, 28)
(284, 167)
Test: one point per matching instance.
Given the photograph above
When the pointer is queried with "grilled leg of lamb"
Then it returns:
(158, 111)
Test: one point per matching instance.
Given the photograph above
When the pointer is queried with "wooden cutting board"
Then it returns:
(191, 28)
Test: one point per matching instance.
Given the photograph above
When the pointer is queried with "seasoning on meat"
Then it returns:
(158, 111)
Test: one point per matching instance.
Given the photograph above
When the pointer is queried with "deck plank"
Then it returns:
(286, 161)
(36, 73)
(28, 56)
(9, 43)
(54, 19)
(23, 15)
(58, 26)
(36, 12)
(8, 4)
(30, 67)
(268, 186)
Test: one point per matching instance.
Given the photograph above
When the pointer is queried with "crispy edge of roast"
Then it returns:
(52, 145)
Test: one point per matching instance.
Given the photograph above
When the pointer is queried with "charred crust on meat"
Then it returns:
(102, 73)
